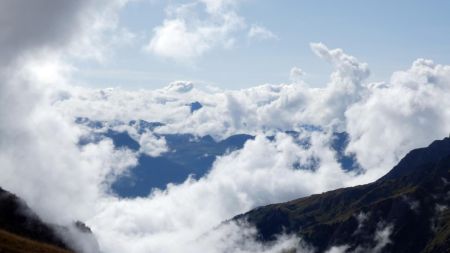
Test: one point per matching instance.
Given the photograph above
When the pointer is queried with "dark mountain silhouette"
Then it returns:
(404, 211)
(22, 231)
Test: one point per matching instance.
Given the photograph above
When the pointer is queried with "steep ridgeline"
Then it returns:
(21, 231)
(404, 211)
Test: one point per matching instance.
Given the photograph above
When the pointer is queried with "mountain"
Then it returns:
(404, 211)
(194, 156)
(21, 231)
(189, 155)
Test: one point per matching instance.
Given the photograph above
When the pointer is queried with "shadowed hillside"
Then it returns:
(405, 211)
(21, 231)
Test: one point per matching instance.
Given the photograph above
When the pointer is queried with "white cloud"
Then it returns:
(226, 112)
(101, 31)
(401, 110)
(346, 82)
(152, 145)
(260, 33)
(180, 86)
(184, 36)
(350, 73)
(192, 29)
(173, 40)
(407, 113)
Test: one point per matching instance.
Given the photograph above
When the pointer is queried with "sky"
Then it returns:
(388, 35)
(378, 71)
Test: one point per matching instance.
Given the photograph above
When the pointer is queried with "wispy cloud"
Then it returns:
(257, 32)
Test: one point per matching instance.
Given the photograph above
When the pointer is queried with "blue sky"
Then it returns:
(388, 35)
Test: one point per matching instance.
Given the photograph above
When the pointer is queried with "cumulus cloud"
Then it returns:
(192, 29)
(226, 112)
(346, 82)
(180, 86)
(185, 35)
(260, 33)
(408, 112)
(401, 109)
(152, 145)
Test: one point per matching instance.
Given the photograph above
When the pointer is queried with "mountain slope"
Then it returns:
(405, 211)
(22, 231)
(13, 243)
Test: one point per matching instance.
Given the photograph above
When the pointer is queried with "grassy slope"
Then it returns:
(11, 243)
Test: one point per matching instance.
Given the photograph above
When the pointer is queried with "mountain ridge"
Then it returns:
(23, 231)
(411, 204)
(189, 155)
